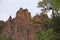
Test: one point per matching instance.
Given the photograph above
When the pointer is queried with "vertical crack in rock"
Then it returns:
(21, 32)
(27, 34)
(12, 26)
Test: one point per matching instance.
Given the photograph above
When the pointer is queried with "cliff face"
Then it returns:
(1, 26)
(20, 27)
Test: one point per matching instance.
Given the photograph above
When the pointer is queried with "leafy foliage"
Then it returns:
(55, 4)
(56, 24)
(41, 4)
(2, 37)
(53, 25)
(47, 35)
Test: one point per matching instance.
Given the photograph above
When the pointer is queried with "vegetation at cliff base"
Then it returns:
(3, 37)
(47, 35)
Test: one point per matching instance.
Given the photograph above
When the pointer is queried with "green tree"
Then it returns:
(56, 24)
(54, 5)
(47, 35)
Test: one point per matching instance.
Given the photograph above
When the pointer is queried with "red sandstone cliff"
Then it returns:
(20, 27)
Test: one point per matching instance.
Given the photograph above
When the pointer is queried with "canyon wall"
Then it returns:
(21, 27)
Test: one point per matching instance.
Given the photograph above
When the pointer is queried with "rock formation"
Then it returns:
(20, 27)
(1, 26)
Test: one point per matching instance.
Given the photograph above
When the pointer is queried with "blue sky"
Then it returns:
(9, 7)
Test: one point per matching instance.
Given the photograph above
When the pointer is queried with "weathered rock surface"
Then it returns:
(1, 26)
(20, 27)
